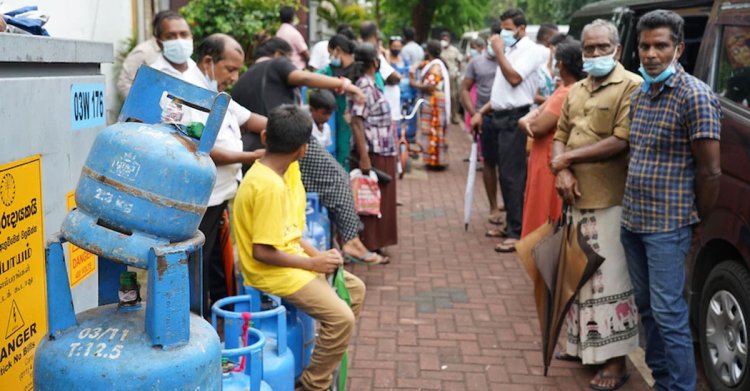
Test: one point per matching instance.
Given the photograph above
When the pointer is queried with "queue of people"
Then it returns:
(594, 157)
(631, 159)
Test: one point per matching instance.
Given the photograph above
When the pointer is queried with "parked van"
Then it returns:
(717, 38)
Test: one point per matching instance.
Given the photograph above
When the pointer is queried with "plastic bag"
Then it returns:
(366, 192)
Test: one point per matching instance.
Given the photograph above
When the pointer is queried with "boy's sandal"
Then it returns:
(506, 246)
(619, 381)
(369, 259)
(495, 233)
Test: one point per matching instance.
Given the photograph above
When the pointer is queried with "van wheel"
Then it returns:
(724, 325)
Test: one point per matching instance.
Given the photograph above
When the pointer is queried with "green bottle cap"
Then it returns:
(194, 129)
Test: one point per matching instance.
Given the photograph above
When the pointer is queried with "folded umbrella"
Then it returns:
(559, 261)
(470, 179)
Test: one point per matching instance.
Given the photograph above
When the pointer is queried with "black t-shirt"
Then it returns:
(250, 92)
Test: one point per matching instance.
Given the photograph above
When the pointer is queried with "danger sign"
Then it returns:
(23, 302)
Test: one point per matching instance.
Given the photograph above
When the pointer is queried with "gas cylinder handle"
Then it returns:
(213, 124)
(143, 102)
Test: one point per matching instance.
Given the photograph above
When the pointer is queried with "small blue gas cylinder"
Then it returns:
(301, 331)
(317, 225)
(278, 359)
(236, 378)
(144, 179)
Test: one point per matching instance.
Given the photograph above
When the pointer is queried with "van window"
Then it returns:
(734, 65)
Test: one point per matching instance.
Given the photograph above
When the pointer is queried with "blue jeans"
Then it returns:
(656, 262)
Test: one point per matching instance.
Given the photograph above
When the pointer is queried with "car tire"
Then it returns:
(723, 327)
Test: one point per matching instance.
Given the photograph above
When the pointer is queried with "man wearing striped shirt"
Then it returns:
(673, 181)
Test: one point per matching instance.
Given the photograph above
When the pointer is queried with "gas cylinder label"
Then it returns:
(90, 345)
(82, 263)
(23, 304)
(87, 105)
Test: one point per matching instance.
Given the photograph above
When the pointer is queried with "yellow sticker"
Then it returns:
(81, 262)
(23, 291)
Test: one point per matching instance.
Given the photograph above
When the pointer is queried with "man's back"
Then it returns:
(413, 53)
(290, 34)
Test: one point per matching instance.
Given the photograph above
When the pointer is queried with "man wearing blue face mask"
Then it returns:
(176, 43)
(503, 143)
(672, 182)
(589, 159)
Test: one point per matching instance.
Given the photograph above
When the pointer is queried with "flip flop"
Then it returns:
(496, 219)
(566, 357)
(495, 233)
(620, 381)
(374, 259)
(506, 246)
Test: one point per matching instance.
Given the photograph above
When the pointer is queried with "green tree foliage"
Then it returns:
(335, 13)
(456, 15)
(242, 19)
(551, 11)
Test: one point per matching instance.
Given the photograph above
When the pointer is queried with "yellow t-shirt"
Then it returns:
(269, 209)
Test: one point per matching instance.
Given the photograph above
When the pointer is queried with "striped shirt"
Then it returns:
(659, 190)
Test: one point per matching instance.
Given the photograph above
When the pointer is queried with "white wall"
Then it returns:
(91, 20)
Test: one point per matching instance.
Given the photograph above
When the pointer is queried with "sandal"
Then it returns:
(566, 357)
(619, 381)
(496, 219)
(506, 246)
(495, 233)
(369, 259)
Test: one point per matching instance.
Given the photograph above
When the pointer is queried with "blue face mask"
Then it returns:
(335, 62)
(490, 51)
(599, 66)
(648, 80)
(508, 37)
(473, 53)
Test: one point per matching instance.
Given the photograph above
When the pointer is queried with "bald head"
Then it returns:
(220, 58)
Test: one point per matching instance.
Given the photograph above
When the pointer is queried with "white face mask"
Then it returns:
(212, 84)
(178, 51)
(444, 44)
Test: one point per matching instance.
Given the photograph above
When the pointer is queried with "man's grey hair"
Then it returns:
(478, 42)
(614, 36)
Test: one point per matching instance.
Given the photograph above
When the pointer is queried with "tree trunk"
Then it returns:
(421, 18)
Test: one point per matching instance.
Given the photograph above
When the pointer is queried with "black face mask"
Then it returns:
(395, 52)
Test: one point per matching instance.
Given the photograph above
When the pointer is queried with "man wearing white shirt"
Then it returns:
(220, 60)
(412, 51)
(513, 90)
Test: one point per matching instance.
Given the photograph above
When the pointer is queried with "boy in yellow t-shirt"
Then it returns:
(269, 216)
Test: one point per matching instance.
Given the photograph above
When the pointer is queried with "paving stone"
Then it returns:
(448, 313)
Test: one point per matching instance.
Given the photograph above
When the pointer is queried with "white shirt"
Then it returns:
(319, 57)
(392, 92)
(229, 137)
(413, 53)
(322, 135)
(525, 57)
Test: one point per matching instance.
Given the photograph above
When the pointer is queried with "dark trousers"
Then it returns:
(510, 144)
(214, 279)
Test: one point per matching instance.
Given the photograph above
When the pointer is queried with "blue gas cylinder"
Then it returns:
(301, 331)
(236, 378)
(278, 359)
(144, 179)
(141, 196)
(317, 225)
(109, 350)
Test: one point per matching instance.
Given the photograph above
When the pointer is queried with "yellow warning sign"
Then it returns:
(81, 262)
(23, 288)
(15, 320)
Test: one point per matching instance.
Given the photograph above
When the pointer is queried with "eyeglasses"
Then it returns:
(603, 48)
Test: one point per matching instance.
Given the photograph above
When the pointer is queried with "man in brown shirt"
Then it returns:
(589, 159)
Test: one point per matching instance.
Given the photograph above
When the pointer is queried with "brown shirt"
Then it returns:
(591, 115)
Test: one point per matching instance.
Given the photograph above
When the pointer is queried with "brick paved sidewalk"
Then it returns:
(449, 313)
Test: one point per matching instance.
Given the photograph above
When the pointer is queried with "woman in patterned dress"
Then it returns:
(374, 146)
(434, 84)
